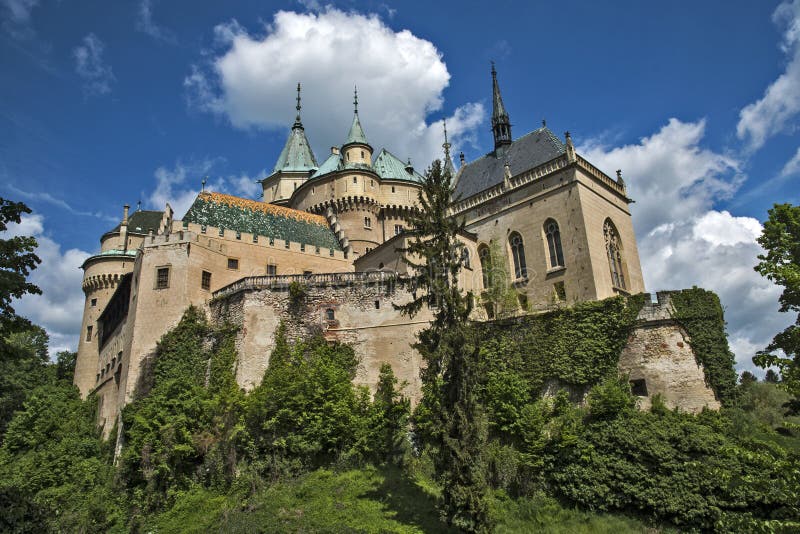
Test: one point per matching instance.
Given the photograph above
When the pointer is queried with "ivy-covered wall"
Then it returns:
(700, 312)
(577, 346)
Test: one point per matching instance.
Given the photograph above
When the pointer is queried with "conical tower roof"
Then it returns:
(356, 134)
(296, 155)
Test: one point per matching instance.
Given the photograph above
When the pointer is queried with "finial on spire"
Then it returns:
(139, 205)
(355, 99)
(566, 135)
(203, 184)
(544, 123)
(446, 144)
(297, 107)
(494, 72)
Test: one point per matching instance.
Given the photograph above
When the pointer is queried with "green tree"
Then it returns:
(390, 418)
(781, 264)
(457, 425)
(771, 377)
(17, 260)
(747, 378)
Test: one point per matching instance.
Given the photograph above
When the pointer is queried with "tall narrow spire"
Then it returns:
(297, 123)
(356, 134)
(501, 126)
(448, 163)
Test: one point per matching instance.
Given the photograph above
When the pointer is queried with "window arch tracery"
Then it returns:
(518, 255)
(614, 253)
(486, 264)
(553, 235)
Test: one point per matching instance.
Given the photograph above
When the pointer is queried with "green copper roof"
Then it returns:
(333, 163)
(259, 218)
(296, 155)
(387, 165)
(356, 134)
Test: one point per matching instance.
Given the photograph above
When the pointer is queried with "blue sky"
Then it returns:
(106, 103)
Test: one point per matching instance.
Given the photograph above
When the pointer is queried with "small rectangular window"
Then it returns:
(255, 238)
(377, 305)
(302, 247)
(162, 278)
(203, 229)
(272, 241)
(272, 270)
(93, 303)
(392, 189)
(89, 333)
(355, 180)
(286, 243)
(367, 222)
(639, 387)
(205, 280)
(233, 264)
(398, 229)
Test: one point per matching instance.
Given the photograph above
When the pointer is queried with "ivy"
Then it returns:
(577, 346)
(700, 313)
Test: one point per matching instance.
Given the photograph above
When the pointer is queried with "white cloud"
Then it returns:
(59, 309)
(61, 203)
(792, 166)
(146, 24)
(18, 17)
(400, 78)
(683, 241)
(776, 110)
(180, 185)
(669, 175)
(90, 65)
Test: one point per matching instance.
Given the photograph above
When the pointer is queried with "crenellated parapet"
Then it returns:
(100, 281)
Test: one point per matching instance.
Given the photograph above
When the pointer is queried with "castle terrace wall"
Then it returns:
(363, 316)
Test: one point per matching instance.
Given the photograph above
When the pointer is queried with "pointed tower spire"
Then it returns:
(297, 122)
(501, 126)
(356, 134)
(296, 155)
(448, 163)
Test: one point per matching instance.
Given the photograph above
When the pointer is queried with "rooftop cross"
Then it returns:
(298, 102)
(446, 144)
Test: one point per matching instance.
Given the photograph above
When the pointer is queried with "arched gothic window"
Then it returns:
(554, 243)
(486, 264)
(614, 252)
(518, 255)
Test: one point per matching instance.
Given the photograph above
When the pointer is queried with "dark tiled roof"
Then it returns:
(141, 222)
(253, 217)
(525, 153)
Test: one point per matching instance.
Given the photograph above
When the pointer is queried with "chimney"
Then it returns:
(123, 228)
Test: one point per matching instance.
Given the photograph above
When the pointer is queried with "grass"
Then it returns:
(379, 500)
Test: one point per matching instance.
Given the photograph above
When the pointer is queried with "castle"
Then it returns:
(561, 227)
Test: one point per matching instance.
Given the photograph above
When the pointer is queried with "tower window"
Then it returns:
(355, 179)
(614, 253)
(162, 278)
(486, 264)
(205, 280)
(367, 222)
(330, 315)
(93, 303)
(362, 154)
(233, 264)
(554, 243)
(89, 333)
(272, 269)
(392, 189)
(518, 255)
(398, 229)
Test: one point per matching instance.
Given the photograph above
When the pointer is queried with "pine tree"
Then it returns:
(450, 350)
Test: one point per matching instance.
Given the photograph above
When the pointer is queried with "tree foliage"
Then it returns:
(17, 260)
(781, 264)
(457, 424)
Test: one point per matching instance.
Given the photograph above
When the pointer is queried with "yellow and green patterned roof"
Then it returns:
(259, 218)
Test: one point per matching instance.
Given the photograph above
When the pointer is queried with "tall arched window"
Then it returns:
(518, 255)
(486, 264)
(614, 252)
(554, 243)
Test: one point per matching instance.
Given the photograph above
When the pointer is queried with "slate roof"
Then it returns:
(333, 163)
(530, 150)
(387, 165)
(296, 154)
(253, 217)
(141, 222)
